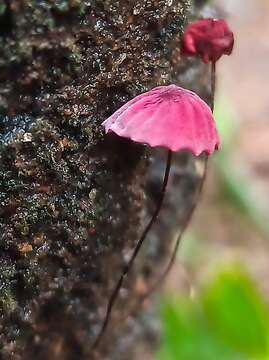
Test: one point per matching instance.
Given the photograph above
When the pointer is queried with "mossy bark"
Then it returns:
(71, 198)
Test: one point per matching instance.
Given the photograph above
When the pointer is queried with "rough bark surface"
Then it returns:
(71, 198)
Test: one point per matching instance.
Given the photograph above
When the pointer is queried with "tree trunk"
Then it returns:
(71, 198)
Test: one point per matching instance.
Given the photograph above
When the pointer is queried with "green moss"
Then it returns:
(7, 302)
(7, 281)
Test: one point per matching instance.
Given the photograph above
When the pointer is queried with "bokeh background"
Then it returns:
(223, 264)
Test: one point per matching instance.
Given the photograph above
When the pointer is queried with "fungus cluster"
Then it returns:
(174, 118)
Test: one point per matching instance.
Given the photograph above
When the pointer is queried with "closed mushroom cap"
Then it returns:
(207, 38)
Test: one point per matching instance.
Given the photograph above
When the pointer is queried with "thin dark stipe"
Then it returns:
(135, 252)
(162, 277)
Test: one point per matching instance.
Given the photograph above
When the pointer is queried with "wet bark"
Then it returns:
(73, 200)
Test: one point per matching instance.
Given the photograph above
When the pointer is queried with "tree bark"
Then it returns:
(71, 198)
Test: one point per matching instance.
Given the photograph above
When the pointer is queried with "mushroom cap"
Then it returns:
(167, 116)
(207, 38)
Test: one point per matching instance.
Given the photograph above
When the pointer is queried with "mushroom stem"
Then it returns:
(213, 84)
(182, 231)
(127, 267)
(190, 214)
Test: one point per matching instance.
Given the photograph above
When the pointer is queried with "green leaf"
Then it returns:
(237, 313)
(186, 335)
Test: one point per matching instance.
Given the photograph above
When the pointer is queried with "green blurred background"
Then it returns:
(215, 302)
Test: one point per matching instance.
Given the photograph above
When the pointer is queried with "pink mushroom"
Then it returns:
(166, 116)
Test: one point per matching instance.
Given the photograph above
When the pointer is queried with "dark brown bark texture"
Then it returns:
(72, 198)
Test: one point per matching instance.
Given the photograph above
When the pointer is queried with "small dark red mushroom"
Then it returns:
(208, 39)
